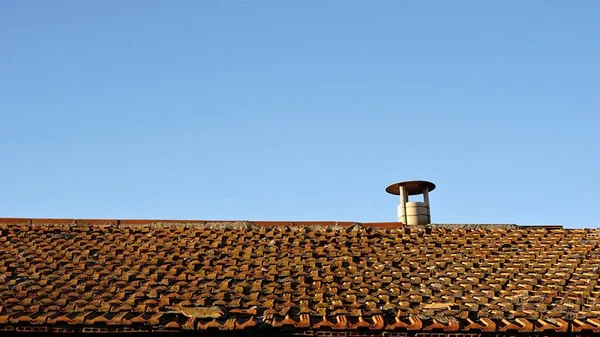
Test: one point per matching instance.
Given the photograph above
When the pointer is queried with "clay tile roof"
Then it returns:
(70, 275)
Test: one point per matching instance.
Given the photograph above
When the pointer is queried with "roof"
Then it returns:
(110, 275)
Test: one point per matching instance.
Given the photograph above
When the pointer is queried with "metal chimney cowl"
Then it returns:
(413, 213)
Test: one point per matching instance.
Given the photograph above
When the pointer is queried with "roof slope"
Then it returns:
(202, 276)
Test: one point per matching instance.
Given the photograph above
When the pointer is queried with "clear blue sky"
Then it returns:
(300, 110)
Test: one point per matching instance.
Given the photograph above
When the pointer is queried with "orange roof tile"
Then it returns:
(134, 275)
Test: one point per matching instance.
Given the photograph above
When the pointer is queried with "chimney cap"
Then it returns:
(413, 187)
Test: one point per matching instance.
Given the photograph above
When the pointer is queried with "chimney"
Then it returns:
(413, 213)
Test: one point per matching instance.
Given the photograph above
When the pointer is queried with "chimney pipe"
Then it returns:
(413, 213)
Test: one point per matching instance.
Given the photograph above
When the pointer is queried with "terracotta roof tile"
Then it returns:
(110, 274)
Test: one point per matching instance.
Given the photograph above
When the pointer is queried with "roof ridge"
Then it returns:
(190, 223)
(244, 224)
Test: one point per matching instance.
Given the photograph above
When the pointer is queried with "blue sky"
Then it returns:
(300, 110)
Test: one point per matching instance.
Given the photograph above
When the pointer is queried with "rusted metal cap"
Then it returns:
(413, 187)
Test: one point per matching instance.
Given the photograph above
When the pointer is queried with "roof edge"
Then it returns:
(159, 222)
(245, 223)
